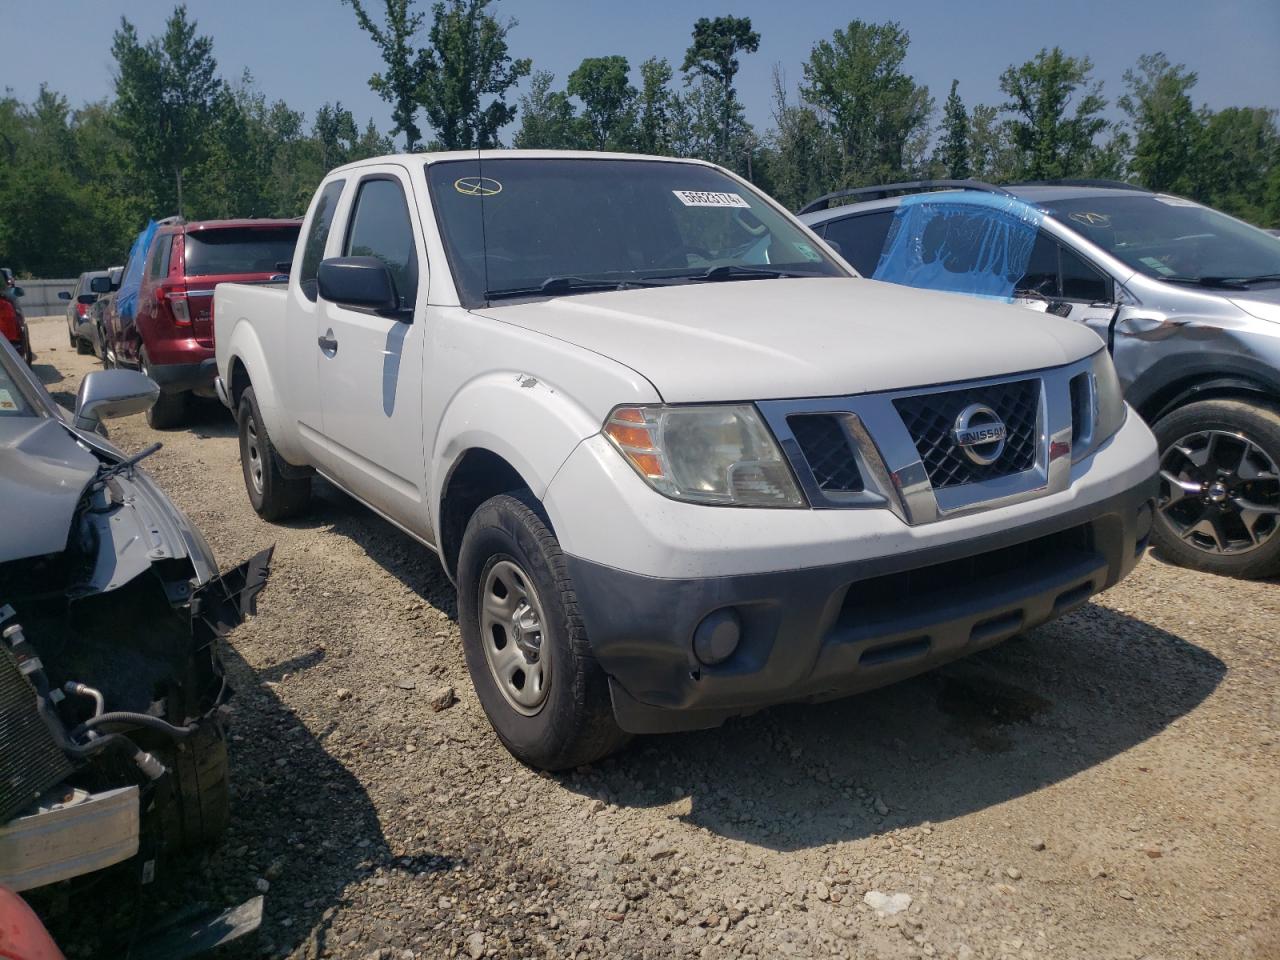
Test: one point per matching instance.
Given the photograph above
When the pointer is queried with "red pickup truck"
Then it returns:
(170, 336)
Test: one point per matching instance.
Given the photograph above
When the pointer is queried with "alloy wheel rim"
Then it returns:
(512, 634)
(255, 456)
(1220, 492)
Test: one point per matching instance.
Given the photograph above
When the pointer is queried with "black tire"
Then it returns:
(574, 724)
(195, 803)
(83, 347)
(1236, 424)
(170, 409)
(273, 495)
(71, 335)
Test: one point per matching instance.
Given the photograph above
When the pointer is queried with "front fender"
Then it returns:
(531, 424)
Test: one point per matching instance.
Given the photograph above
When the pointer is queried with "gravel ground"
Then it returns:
(1107, 788)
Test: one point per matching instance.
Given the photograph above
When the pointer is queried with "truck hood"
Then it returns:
(43, 471)
(787, 338)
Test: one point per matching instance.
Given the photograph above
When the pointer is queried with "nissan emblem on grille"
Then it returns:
(980, 434)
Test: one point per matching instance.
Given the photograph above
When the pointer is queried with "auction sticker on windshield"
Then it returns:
(6, 401)
(702, 198)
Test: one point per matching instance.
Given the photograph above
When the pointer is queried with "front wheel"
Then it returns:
(525, 643)
(1219, 503)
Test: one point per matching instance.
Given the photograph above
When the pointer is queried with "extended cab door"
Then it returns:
(370, 364)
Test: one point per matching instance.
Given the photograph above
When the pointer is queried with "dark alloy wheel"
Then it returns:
(1219, 501)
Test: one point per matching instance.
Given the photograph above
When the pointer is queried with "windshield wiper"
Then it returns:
(734, 271)
(107, 471)
(554, 286)
(1245, 281)
(1232, 283)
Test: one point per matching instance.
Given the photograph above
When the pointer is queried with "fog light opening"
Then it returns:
(717, 636)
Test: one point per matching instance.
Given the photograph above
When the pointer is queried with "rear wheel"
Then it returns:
(169, 410)
(525, 643)
(83, 347)
(273, 495)
(1219, 503)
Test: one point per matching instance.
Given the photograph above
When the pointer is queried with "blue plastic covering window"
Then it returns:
(131, 282)
(974, 243)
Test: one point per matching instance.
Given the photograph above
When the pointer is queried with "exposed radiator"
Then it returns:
(30, 761)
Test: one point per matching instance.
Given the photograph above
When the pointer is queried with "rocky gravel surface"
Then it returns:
(1106, 788)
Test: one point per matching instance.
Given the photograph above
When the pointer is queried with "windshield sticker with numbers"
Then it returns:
(702, 198)
(6, 401)
(807, 251)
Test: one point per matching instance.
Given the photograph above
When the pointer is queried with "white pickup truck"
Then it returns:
(680, 460)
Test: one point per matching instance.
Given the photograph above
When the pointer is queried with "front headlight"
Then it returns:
(717, 454)
(1108, 398)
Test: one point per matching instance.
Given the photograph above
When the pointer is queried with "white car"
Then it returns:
(680, 461)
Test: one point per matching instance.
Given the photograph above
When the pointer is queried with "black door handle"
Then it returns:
(328, 343)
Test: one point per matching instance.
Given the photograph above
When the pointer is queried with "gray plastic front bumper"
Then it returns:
(825, 632)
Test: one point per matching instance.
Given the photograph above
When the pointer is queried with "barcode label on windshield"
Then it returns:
(699, 198)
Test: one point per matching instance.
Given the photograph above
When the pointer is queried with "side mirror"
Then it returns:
(358, 282)
(101, 285)
(64, 294)
(87, 298)
(113, 393)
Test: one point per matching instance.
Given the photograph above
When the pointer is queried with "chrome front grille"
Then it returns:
(931, 417)
(899, 450)
(827, 451)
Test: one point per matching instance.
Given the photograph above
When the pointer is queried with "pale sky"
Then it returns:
(308, 52)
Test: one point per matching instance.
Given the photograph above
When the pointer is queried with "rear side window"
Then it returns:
(318, 237)
(861, 238)
(160, 252)
(239, 250)
(380, 227)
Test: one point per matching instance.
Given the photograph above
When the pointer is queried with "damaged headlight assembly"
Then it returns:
(718, 454)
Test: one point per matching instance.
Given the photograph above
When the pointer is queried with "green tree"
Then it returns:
(608, 99)
(468, 64)
(547, 119)
(401, 82)
(1166, 127)
(879, 114)
(953, 153)
(166, 96)
(992, 157)
(1051, 142)
(1236, 157)
(653, 133)
(334, 133)
(713, 55)
(802, 159)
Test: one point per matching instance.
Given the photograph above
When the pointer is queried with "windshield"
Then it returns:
(14, 398)
(552, 225)
(224, 251)
(1168, 237)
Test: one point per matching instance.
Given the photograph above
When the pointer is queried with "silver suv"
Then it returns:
(1186, 298)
